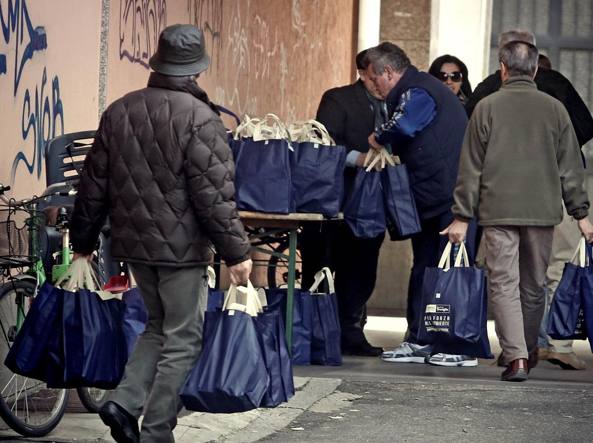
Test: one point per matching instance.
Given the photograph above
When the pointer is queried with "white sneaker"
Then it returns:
(452, 360)
(408, 353)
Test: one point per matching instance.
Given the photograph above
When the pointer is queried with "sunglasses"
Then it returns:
(454, 76)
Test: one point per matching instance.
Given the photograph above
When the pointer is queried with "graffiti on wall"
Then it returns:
(208, 16)
(40, 118)
(140, 23)
(17, 27)
(42, 112)
(258, 56)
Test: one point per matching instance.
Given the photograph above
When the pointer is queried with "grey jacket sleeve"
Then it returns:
(572, 172)
(473, 151)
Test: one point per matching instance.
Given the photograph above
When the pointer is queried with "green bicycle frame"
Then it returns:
(37, 271)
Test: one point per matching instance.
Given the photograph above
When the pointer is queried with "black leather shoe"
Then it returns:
(124, 427)
(516, 370)
(362, 350)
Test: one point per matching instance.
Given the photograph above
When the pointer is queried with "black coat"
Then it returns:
(553, 83)
(348, 115)
(162, 170)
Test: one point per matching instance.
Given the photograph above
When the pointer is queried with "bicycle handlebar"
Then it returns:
(49, 192)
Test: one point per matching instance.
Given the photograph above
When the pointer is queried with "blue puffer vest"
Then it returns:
(432, 156)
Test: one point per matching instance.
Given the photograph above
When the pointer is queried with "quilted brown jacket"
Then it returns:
(161, 168)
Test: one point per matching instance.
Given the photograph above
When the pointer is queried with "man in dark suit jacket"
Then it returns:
(350, 113)
(547, 80)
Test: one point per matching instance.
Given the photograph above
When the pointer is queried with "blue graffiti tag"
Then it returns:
(40, 120)
(140, 23)
(2, 64)
(16, 22)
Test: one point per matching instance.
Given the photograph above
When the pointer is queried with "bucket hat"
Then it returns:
(180, 51)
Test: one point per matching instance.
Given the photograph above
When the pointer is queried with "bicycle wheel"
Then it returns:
(92, 398)
(278, 267)
(26, 404)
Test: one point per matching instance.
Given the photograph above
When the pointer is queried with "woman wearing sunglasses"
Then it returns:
(453, 73)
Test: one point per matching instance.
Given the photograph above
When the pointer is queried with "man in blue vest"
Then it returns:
(425, 129)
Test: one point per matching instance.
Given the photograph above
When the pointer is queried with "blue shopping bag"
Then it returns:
(215, 300)
(400, 207)
(94, 343)
(302, 321)
(364, 210)
(262, 167)
(566, 316)
(135, 317)
(587, 308)
(454, 307)
(318, 177)
(270, 329)
(230, 374)
(326, 333)
(33, 352)
(262, 176)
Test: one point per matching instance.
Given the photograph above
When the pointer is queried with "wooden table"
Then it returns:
(288, 223)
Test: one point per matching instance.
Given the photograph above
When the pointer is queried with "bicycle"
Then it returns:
(26, 405)
(23, 274)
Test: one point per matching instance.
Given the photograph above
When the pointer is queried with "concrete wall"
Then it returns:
(62, 62)
(462, 28)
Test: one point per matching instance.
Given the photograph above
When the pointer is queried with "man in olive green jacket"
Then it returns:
(520, 158)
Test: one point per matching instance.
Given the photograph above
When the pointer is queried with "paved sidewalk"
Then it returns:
(196, 427)
(368, 400)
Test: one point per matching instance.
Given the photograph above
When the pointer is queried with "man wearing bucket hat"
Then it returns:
(161, 169)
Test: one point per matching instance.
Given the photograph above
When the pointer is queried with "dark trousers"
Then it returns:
(427, 247)
(354, 261)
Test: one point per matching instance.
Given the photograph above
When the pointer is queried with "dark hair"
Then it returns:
(388, 54)
(544, 62)
(362, 61)
(438, 63)
(520, 58)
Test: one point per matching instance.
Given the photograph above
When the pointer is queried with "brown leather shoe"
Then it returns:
(568, 361)
(516, 370)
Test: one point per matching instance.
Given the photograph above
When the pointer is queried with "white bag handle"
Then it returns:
(270, 128)
(461, 254)
(81, 275)
(581, 251)
(243, 298)
(211, 277)
(246, 128)
(263, 299)
(445, 261)
(310, 131)
(377, 156)
(324, 274)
